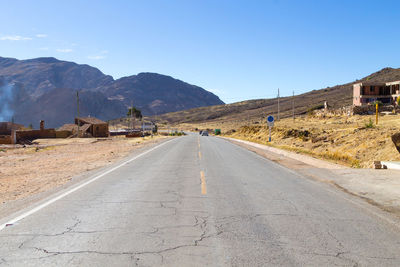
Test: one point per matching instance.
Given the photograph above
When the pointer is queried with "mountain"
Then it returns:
(160, 93)
(45, 88)
(256, 110)
(41, 75)
(59, 106)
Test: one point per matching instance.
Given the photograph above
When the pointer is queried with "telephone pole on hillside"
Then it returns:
(278, 106)
(132, 119)
(293, 105)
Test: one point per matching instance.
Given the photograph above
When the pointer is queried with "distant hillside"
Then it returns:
(41, 75)
(156, 94)
(58, 107)
(337, 96)
(45, 88)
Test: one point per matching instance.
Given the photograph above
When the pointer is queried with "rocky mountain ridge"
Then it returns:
(45, 88)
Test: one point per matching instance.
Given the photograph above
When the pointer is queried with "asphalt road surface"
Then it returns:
(201, 201)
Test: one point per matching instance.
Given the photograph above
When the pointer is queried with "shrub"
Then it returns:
(177, 133)
(370, 124)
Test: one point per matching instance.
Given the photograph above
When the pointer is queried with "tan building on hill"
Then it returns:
(367, 92)
(92, 126)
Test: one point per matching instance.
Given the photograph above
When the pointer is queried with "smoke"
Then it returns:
(6, 97)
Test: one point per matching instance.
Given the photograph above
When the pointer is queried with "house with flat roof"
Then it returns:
(368, 92)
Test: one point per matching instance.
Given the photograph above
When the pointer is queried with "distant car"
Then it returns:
(204, 133)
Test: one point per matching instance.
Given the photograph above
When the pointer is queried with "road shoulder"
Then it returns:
(8, 208)
(380, 188)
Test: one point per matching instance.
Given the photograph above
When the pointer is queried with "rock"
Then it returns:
(377, 165)
(316, 138)
(396, 141)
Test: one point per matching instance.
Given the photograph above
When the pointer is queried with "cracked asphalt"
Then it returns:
(242, 211)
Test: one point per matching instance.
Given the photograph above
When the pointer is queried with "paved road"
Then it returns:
(199, 201)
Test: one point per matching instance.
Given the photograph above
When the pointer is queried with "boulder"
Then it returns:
(396, 141)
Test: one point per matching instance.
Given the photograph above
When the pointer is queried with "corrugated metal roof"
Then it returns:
(90, 120)
(68, 127)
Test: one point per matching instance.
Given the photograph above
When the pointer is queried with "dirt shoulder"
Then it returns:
(354, 141)
(380, 188)
(50, 163)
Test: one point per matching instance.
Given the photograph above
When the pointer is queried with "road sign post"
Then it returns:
(269, 138)
(270, 123)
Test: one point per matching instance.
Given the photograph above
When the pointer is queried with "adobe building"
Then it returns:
(7, 132)
(7, 127)
(368, 92)
(92, 126)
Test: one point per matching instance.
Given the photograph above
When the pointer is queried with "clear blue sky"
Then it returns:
(237, 49)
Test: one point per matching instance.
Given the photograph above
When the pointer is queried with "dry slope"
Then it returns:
(342, 139)
(256, 110)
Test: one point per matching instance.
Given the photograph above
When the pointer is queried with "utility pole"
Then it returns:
(77, 105)
(132, 116)
(293, 105)
(278, 106)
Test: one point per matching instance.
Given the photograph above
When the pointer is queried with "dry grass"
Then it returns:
(340, 139)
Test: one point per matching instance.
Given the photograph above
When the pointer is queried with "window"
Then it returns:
(372, 89)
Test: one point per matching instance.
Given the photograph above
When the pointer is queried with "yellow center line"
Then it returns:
(203, 183)
(199, 155)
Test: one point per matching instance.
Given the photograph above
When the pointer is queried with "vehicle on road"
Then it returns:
(204, 133)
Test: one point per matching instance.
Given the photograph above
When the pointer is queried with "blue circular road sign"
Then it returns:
(270, 119)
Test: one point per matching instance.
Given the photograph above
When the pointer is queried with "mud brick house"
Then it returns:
(92, 126)
(7, 132)
(367, 92)
(7, 127)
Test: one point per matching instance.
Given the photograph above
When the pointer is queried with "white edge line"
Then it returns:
(387, 217)
(47, 203)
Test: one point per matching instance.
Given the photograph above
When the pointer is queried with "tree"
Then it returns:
(380, 104)
(136, 113)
